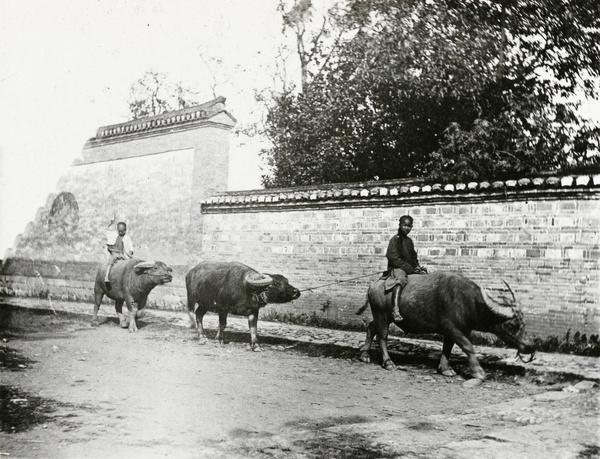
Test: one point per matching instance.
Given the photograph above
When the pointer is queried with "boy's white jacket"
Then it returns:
(111, 238)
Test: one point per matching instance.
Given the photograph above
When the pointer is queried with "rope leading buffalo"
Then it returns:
(131, 282)
(448, 304)
(231, 287)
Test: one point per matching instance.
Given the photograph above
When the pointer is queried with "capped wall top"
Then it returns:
(176, 118)
(406, 191)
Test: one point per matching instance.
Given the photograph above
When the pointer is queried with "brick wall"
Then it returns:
(542, 240)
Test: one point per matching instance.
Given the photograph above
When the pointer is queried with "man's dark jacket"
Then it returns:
(401, 254)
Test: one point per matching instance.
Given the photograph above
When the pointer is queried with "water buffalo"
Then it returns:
(444, 303)
(231, 287)
(130, 281)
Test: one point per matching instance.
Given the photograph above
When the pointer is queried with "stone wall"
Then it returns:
(540, 236)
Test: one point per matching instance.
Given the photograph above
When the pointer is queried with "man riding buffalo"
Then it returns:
(402, 260)
(119, 247)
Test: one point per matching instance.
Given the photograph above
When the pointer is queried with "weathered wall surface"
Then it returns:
(157, 210)
(542, 239)
(149, 173)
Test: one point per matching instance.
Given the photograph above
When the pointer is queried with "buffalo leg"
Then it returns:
(199, 326)
(222, 325)
(133, 309)
(444, 366)
(382, 327)
(98, 295)
(123, 319)
(196, 314)
(133, 318)
(463, 342)
(253, 325)
(364, 350)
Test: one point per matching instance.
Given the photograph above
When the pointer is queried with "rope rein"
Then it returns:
(339, 282)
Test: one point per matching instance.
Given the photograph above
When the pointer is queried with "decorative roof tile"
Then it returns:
(396, 192)
(566, 181)
(186, 115)
(524, 182)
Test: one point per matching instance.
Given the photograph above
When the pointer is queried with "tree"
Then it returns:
(154, 94)
(310, 39)
(442, 90)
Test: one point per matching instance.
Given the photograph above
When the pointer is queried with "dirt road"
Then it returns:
(73, 391)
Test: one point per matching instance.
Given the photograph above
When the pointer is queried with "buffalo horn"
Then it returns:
(510, 290)
(144, 265)
(259, 281)
(502, 311)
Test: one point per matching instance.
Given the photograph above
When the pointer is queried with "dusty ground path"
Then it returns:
(70, 390)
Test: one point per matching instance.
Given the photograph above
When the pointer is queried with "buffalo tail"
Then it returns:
(362, 309)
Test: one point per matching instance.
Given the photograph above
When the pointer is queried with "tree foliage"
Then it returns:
(443, 90)
(154, 94)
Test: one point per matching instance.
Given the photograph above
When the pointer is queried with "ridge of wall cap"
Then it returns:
(199, 112)
(335, 193)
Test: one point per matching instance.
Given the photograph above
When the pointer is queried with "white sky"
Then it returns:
(66, 68)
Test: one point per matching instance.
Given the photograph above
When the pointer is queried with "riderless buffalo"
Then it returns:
(448, 304)
(231, 287)
(130, 281)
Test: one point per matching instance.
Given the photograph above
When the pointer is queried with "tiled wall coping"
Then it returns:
(184, 119)
(411, 192)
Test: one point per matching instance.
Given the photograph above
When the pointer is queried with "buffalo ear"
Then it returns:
(144, 266)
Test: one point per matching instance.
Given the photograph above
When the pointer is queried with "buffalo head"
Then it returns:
(512, 329)
(280, 290)
(157, 270)
(274, 288)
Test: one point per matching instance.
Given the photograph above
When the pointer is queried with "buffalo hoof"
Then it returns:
(123, 322)
(133, 328)
(365, 357)
(95, 323)
(202, 340)
(389, 365)
(256, 348)
(448, 372)
(479, 374)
